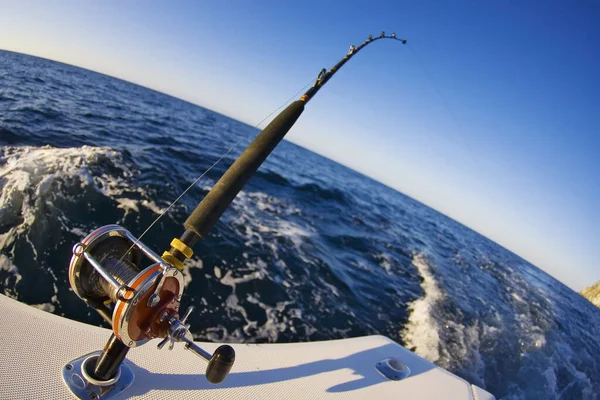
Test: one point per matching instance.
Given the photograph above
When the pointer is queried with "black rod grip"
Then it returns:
(208, 212)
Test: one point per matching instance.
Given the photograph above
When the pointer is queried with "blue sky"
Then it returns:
(490, 114)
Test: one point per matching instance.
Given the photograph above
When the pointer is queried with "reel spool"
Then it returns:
(108, 272)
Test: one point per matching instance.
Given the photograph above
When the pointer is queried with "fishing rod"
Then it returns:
(142, 303)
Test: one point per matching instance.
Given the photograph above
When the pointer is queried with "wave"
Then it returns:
(435, 333)
(29, 173)
(385, 261)
(323, 193)
(316, 191)
(422, 331)
(268, 236)
(13, 276)
(272, 177)
(4, 98)
(46, 113)
(471, 344)
(265, 325)
(265, 217)
(9, 137)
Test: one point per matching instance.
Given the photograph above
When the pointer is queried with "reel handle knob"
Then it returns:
(220, 364)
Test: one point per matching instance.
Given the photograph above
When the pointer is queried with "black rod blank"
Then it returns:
(326, 75)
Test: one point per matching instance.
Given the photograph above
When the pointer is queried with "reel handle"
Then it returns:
(219, 363)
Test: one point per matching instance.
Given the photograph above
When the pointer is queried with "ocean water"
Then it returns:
(310, 250)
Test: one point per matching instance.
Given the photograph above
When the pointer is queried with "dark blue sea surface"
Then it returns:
(310, 250)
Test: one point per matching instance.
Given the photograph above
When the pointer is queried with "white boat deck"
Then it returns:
(36, 345)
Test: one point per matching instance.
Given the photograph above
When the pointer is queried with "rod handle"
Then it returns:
(208, 212)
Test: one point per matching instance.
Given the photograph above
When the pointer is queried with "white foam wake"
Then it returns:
(28, 173)
(38, 168)
(421, 332)
(438, 339)
(278, 318)
(265, 218)
(7, 265)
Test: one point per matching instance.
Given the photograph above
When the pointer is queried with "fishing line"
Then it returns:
(212, 166)
(445, 103)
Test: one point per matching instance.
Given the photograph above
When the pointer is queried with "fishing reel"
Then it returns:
(139, 294)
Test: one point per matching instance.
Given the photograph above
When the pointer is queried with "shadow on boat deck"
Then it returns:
(362, 363)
